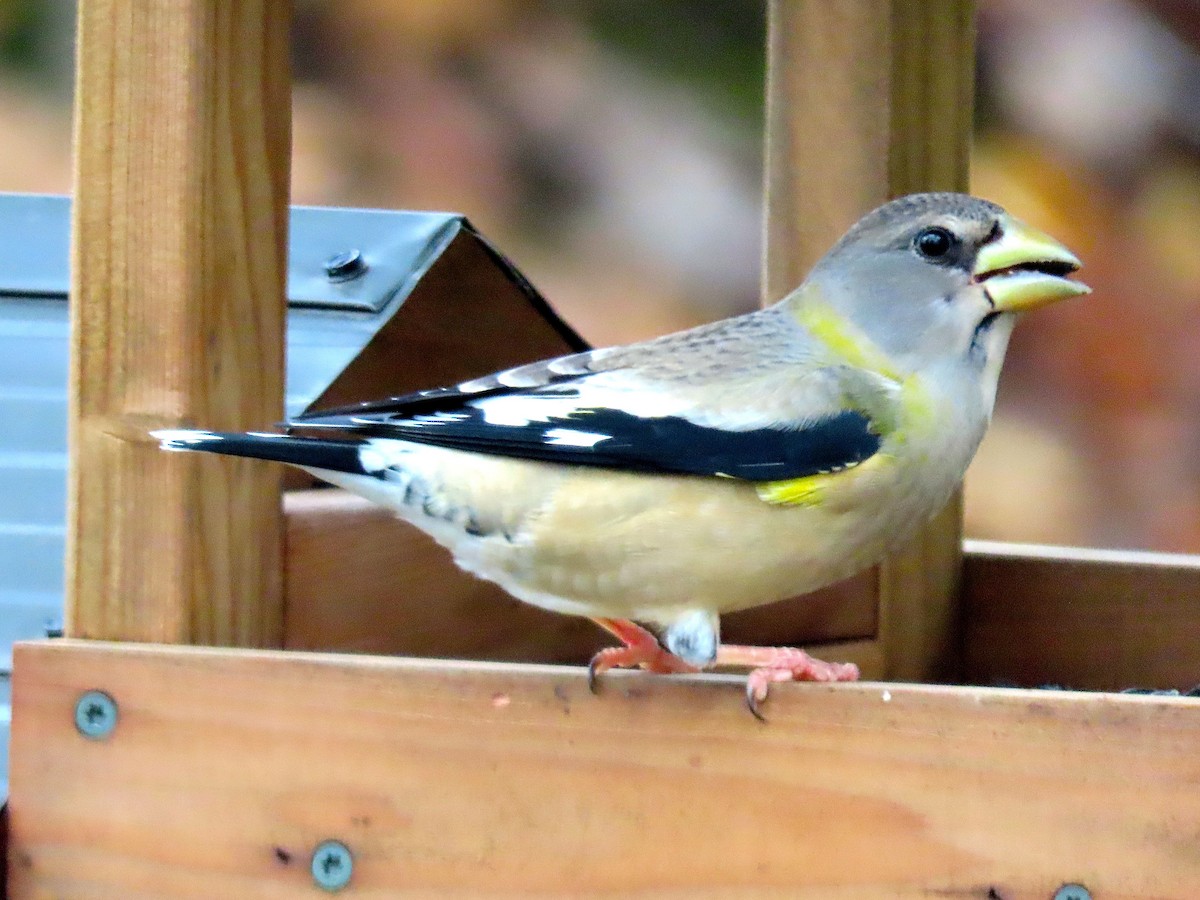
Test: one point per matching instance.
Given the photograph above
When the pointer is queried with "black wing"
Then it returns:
(634, 409)
(606, 436)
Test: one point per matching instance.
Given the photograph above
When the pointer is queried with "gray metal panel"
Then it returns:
(328, 324)
(36, 234)
(396, 249)
(33, 463)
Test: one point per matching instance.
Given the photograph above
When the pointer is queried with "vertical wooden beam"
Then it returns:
(868, 100)
(4, 849)
(182, 156)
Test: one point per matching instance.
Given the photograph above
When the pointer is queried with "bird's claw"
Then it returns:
(653, 659)
(641, 649)
(755, 694)
(593, 671)
(779, 664)
(768, 665)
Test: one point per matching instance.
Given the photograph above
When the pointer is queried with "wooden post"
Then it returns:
(868, 100)
(182, 143)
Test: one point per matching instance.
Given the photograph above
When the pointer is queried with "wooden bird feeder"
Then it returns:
(185, 739)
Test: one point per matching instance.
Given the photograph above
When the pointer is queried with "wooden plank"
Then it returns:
(1094, 619)
(359, 579)
(227, 767)
(867, 101)
(4, 849)
(179, 261)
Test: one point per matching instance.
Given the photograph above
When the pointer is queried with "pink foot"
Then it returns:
(641, 649)
(772, 665)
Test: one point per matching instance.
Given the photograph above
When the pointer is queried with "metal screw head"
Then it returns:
(95, 715)
(1072, 892)
(332, 865)
(345, 266)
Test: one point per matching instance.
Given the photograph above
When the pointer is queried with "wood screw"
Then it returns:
(1072, 892)
(95, 715)
(332, 865)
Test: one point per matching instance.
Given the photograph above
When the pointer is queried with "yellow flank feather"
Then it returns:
(916, 415)
(836, 490)
(808, 490)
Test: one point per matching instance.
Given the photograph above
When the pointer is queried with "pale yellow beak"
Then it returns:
(1023, 268)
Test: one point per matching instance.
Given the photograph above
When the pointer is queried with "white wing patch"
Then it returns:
(606, 390)
(569, 437)
(517, 410)
(623, 393)
(183, 438)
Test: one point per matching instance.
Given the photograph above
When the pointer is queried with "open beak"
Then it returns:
(1022, 268)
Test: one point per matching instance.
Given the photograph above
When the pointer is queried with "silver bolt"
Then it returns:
(1072, 892)
(95, 715)
(332, 865)
(345, 265)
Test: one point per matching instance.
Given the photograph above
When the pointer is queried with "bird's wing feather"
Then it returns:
(673, 405)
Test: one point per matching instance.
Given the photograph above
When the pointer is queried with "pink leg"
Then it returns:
(770, 665)
(641, 649)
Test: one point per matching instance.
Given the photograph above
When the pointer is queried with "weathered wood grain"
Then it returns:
(182, 143)
(1087, 619)
(227, 767)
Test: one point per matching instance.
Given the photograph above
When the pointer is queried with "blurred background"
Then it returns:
(612, 148)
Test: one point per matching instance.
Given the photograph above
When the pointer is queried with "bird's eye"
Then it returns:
(934, 242)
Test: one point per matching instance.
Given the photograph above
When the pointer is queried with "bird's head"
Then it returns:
(933, 278)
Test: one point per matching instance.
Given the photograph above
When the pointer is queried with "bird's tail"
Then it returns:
(309, 453)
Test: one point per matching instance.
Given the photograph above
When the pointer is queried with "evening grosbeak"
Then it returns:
(719, 468)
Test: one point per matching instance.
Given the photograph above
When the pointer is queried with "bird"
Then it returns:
(654, 486)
